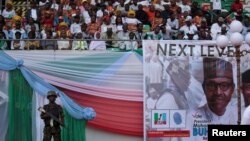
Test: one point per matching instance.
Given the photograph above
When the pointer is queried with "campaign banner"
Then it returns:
(189, 85)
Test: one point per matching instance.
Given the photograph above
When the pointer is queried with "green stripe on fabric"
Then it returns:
(139, 51)
(86, 66)
(74, 129)
(19, 108)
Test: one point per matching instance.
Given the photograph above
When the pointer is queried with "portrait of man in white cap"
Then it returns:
(218, 86)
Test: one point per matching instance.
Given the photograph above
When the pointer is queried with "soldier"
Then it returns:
(52, 115)
(245, 89)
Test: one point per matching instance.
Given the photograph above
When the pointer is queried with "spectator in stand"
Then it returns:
(107, 23)
(37, 32)
(64, 43)
(131, 21)
(93, 27)
(166, 31)
(216, 6)
(151, 13)
(189, 29)
(173, 6)
(157, 20)
(33, 12)
(166, 12)
(63, 27)
(133, 5)
(76, 26)
(85, 34)
(111, 38)
(204, 35)
(46, 28)
(6, 35)
(3, 44)
(97, 45)
(32, 44)
(156, 34)
(141, 15)
(216, 27)
(140, 35)
(182, 18)
(173, 22)
(79, 44)
(8, 12)
(55, 5)
(60, 18)
(123, 35)
(185, 7)
(132, 44)
(17, 44)
(31, 23)
(237, 8)
(19, 29)
(23, 20)
(72, 12)
(195, 9)
(118, 24)
(49, 44)
(246, 25)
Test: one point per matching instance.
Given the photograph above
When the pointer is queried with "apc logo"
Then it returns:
(160, 118)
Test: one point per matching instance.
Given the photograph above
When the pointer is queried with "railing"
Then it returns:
(119, 42)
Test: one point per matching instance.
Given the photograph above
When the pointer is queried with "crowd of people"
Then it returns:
(101, 24)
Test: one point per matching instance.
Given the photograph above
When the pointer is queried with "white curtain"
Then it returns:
(3, 104)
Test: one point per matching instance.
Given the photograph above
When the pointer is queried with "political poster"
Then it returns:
(189, 85)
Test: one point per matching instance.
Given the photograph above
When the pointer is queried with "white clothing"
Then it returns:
(216, 4)
(42, 3)
(34, 14)
(159, 7)
(246, 116)
(166, 101)
(75, 28)
(8, 14)
(155, 71)
(62, 44)
(204, 116)
(131, 21)
(150, 102)
(21, 45)
(86, 17)
(97, 45)
(173, 24)
(215, 30)
(185, 8)
(195, 94)
(54, 6)
(133, 7)
(99, 13)
(191, 29)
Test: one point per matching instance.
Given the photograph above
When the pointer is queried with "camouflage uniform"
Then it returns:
(54, 130)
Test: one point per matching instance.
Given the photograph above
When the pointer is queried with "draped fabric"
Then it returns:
(74, 129)
(19, 108)
(110, 82)
(119, 116)
(42, 87)
(115, 75)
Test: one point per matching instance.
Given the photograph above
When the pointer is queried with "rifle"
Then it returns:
(52, 116)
